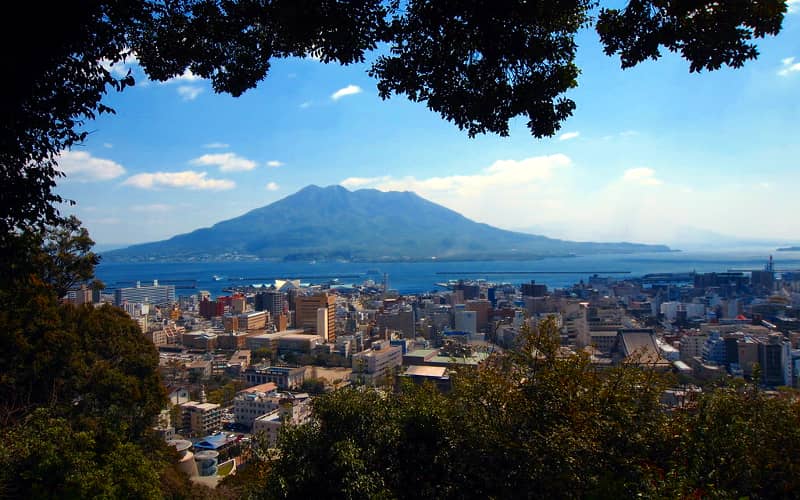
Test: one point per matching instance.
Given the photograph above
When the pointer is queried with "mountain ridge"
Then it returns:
(333, 223)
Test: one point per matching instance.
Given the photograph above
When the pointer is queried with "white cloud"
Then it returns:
(227, 162)
(187, 76)
(305, 104)
(275, 163)
(568, 135)
(188, 179)
(83, 167)
(788, 66)
(189, 92)
(500, 174)
(216, 145)
(152, 208)
(641, 175)
(108, 145)
(794, 5)
(271, 186)
(345, 91)
(506, 188)
(120, 68)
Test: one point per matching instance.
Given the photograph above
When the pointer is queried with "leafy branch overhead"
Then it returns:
(478, 63)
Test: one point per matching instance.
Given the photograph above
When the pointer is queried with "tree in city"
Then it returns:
(538, 423)
(478, 63)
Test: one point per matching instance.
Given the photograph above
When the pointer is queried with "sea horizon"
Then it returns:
(419, 277)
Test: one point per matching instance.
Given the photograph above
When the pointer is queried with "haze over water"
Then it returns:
(416, 277)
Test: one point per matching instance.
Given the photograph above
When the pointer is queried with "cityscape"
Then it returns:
(252, 361)
(372, 249)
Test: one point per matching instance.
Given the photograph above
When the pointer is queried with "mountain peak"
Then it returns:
(313, 188)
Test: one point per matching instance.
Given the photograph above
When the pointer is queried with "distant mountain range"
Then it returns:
(333, 223)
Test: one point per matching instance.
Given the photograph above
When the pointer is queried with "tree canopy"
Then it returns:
(534, 423)
(478, 63)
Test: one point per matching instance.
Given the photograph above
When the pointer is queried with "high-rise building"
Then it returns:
(306, 307)
(155, 294)
(272, 301)
(774, 358)
(481, 308)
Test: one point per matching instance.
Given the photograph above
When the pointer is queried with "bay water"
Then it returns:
(418, 277)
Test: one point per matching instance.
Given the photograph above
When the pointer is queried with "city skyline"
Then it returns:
(651, 153)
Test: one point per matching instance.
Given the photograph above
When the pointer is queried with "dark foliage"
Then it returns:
(707, 33)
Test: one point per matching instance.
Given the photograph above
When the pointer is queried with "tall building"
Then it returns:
(481, 308)
(272, 301)
(155, 294)
(774, 358)
(306, 307)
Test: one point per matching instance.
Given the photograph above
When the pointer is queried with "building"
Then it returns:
(481, 308)
(775, 358)
(373, 365)
(292, 408)
(285, 377)
(639, 346)
(533, 289)
(294, 341)
(306, 315)
(201, 418)
(272, 301)
(466, 321)
(253, 320)
(603, 339)
(199, 340)
(691, 345)
(155, 294)
(80, 296)
(211, 308)
(254, 402)
(436, 375)
(715, 350)
(239, 361)
(401, 321)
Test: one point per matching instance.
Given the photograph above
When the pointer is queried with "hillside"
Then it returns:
(364, 225)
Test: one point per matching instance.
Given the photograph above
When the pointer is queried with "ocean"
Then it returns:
(418, 277)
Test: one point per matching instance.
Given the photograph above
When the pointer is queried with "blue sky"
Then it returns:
(652, 154)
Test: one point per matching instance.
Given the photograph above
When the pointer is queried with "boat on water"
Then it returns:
(217, 278)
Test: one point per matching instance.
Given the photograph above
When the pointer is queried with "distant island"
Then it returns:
(789, 249)
(367, 225)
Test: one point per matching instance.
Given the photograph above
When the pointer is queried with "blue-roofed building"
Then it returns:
(215, 442)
